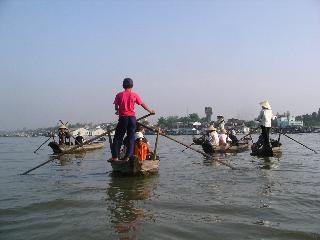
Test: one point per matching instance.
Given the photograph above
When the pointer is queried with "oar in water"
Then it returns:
(42, 144)
(194, 149)
(80, 145)
(299, 142)
(187, 147)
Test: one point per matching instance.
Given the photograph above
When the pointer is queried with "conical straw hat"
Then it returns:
(265, 104)
(62, 126)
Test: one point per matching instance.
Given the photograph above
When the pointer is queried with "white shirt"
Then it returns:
(214, 138)
(223, 138)
(265, 117)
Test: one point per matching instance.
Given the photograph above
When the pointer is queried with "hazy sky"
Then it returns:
(66, 59)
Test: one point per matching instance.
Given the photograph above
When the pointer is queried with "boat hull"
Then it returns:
(276, 151)
(241, 147)
(135, 167)
(56, 148)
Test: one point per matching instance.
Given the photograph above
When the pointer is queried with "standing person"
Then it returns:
(62, 134)
(124, 105)
(265, 118)
(220, 123)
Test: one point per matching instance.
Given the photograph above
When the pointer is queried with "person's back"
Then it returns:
(265, 117)
(124, 105)
(126, 101)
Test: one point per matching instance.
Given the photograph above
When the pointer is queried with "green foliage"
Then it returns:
(175, 121)
(309, 120)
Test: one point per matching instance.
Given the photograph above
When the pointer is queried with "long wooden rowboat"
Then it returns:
(134, 166)
(276, 151)
(70, 148)
(261, 152)
(241, 147)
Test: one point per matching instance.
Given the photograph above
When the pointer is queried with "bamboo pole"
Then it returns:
(299, 143)
(42, 144)
(156, 146)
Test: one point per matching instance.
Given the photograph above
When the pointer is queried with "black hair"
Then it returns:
(127, 83)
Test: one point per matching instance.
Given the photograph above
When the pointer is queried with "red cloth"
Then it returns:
(141, 150)
(125, 101)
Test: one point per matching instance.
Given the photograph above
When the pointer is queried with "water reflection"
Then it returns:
(67, 158)
(125, 196)
(269, 163)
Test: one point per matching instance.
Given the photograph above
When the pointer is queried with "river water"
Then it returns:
(78, 197)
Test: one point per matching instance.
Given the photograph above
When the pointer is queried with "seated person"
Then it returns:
(142, 131)
(212, 136)
(233, 137)
(79, 139)
(223, 138)
(141, 149)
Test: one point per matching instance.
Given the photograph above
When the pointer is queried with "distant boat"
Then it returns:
(209, 149)
(233, 148)
(62, 148)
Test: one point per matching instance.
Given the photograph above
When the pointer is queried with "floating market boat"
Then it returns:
(240, 147)
(134, 166)
(63, 148)
(261, 152)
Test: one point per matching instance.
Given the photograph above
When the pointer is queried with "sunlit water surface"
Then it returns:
(78, 197)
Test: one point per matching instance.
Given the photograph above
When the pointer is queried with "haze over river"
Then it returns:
(77, 197)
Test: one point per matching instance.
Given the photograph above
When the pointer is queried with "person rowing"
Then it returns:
(265, 117)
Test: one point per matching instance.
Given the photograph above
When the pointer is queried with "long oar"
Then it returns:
(299, 142)
(42, 144)
(194, 149)
(187, 147)
(250, 132)
(80, 145)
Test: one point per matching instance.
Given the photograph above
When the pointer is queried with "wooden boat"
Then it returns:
(134, 166)
(69, 148)
(240, 147)
(261, 152)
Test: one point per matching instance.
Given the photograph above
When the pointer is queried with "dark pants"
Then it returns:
(125, 125)
(265, 134)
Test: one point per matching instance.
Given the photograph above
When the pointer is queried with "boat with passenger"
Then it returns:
(63, 148)
(274, 151)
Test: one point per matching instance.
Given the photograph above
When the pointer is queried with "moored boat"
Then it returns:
(63, 148)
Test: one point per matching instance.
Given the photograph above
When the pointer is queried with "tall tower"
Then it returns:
(208, 112)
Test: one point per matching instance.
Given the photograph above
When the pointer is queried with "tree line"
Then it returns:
(309, 120)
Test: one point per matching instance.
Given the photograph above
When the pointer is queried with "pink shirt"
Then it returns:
(125, 101)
